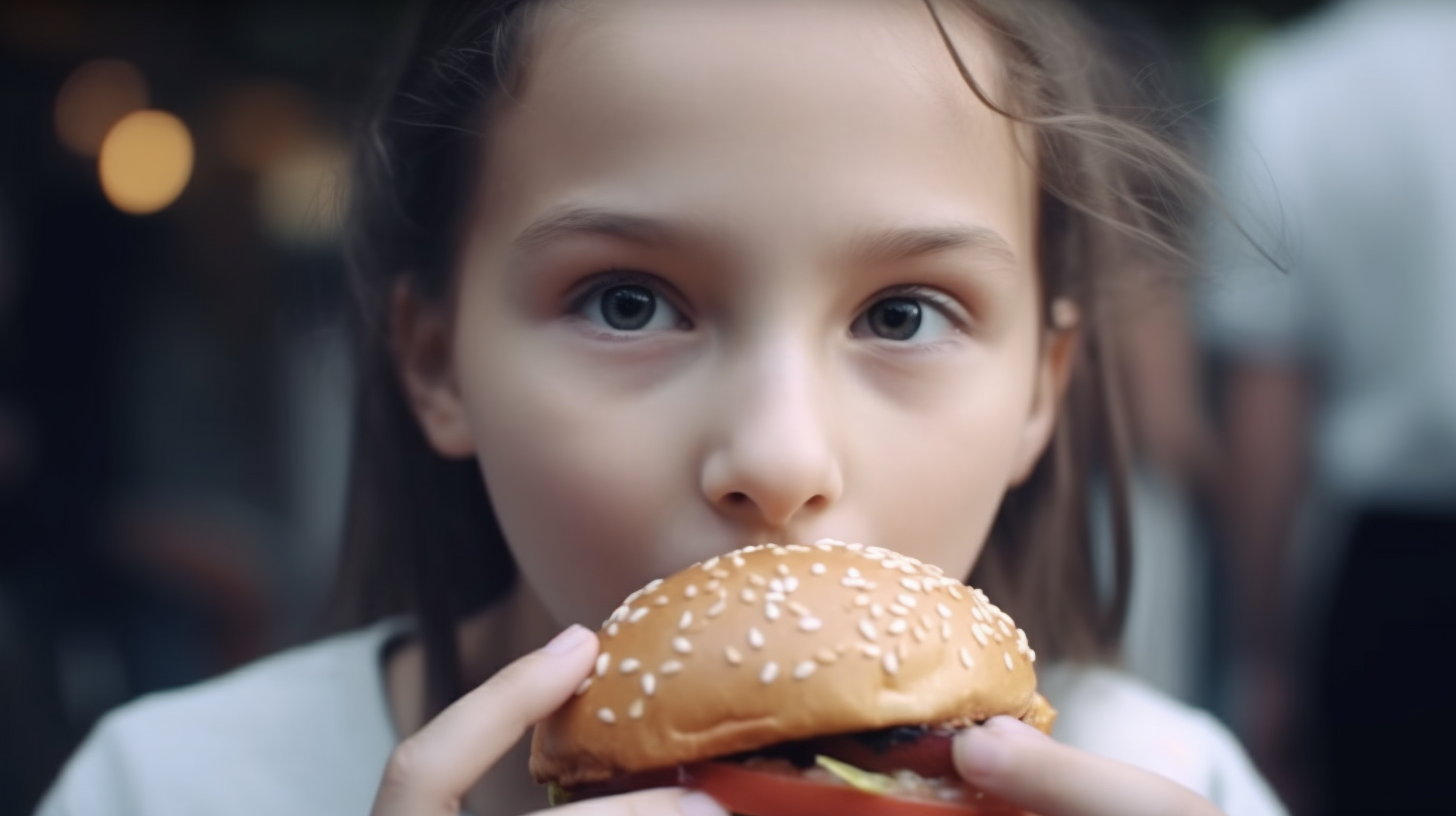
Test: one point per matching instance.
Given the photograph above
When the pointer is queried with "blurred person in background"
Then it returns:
(1340, 403)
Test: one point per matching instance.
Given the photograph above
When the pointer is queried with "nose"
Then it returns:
(771, 461)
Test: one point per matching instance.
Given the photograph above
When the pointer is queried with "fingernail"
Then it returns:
(695, 803)
(570, 639)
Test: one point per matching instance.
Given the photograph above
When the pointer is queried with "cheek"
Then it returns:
(577, 493)
(933, 479)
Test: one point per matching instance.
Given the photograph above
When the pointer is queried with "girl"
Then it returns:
(646, 280)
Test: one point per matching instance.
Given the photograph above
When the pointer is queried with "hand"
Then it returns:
(430, 773)
(1020, 764)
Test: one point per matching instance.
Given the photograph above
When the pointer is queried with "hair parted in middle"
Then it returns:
(1114, 192)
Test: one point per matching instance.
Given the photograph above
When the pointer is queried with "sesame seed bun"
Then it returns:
(773, 644)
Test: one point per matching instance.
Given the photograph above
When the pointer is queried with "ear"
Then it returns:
(420, 336)
(1054, 372)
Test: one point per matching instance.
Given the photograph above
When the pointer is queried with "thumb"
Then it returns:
(430, 772)
(1018, 763)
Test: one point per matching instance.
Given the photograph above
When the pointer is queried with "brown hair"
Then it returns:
(421, 537)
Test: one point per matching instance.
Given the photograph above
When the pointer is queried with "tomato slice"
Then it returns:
(752, 792)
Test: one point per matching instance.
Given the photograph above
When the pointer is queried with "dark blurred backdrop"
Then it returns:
(174, 376)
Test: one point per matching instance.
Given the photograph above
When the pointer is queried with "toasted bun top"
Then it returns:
(775, 643)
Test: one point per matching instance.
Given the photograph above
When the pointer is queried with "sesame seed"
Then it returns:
(861, 600)
(945, 630)
(635, 710)
(620, 613)
(717, 609)
(738, 561)
(855, 547)
(977, 614)
(1004, 627)
(769, 673)
(798, 548)
(852, 572)
(808, 624)
(826, 656)
(906, 600)
(685, 621)
(606, 715)
(629, 665)
(954, 593)
(660, 600)
(927, 621)
(1031, 655)
(867, 629)
(891, 564)
(891, 663)
(877, 610)
(910, 584)
(670, 668)
(652, 585)
(966, 659)
(908, 569)
(771, 611)
(633, 597)
(874, 553)
(870, 584)
(798, 609)
(897, 626)
(980, 636)
(823, 542)
(613, 629)
(776, 597)
(1007, 657)
(638, 614)
(720, 573)
(755, 637)
(851, 582)
(585, 684)
(918, 633)
(748, 595)
(824, 547)
(899, 610)
(818, 569)
(783, 569)
(869, 650)
(791, 583)
(734, 656)
(710, 564)
(681, 645)
(756, 579)
(943, 610)
(604, 660)
(649, 684)
(804, 669)
(714, 584)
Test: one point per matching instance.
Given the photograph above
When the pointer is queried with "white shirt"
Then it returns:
(1338, 154)
(308, 732)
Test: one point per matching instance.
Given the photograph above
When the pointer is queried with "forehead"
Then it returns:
(808, 101)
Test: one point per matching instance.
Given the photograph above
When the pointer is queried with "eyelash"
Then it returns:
(949, 307)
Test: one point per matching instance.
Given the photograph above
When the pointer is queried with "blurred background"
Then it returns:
(175, 378)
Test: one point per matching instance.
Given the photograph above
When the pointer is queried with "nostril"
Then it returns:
(737, 498)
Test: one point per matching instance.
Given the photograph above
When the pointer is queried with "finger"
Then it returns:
(1012, 760)
(659, 802)
(430, 771)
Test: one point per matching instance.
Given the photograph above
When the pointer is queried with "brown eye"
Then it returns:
(895, 318)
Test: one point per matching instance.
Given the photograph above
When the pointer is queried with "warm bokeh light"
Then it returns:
(145, 162)
(262, 122)
(93, 98)
(301, 195)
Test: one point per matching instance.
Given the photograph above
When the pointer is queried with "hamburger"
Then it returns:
(794, 679)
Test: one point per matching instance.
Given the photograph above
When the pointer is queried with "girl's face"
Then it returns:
(745, 271)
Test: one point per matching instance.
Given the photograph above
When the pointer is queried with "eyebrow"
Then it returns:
(876, 246)
(903, 243)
